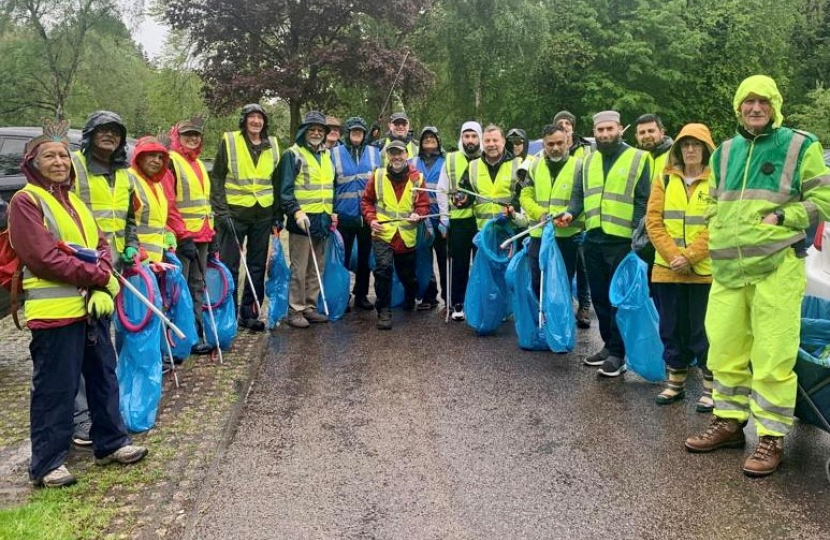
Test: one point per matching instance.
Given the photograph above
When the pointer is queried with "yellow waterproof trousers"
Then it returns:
(757, 324)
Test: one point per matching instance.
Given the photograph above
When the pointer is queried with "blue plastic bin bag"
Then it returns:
(335, 278)
(178, 306)
(138, 332)
(219, 288)
(353, 258)
(486, 302)
(525, 303)
(423, 256)
(559, 323)
(277, 284)
(637, 319)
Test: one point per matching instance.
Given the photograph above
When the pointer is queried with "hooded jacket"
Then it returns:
(154, 190)
(655, 225)
(520, 133)
(287, 173)
(37, 247)
(430, 164)
(174, 219)
(444, 180)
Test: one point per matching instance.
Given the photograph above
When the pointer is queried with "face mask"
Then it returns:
(556, 159)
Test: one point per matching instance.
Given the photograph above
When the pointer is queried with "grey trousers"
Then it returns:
(305, 288)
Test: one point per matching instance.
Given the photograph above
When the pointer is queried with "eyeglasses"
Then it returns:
(115, 129)
(691, 143)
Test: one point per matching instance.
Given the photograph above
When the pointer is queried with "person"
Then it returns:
(613, 194)
(307, 194)
(105, 186)
(69, 301)
(150, 204)
(578, 148)
(493, 176)
(393, 209)
(651, 137)
(430, 162)
(682, 273)
(546, 191)
(398, 131)
(354, 162)
(517, 141)
(768, 184)
(242, 186)
(335, 131)
(191, 218)
(461, 223)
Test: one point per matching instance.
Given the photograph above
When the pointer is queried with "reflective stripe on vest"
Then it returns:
(555, 198)
(609, 201)
(431, 178)
(390, 208)
(50, 299)
(246, 184)
(456, 164)
(314, 183)
(109, 205)
(192, 195)
(500, 189)
(683, 218)
(150, 217)
(351, 177)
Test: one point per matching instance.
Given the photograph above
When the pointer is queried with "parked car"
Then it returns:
(12, 142)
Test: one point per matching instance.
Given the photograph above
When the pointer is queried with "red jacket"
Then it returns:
(174, 219)
(38, 249)
(368, 205)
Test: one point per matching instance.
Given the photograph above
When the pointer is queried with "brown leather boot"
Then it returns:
(766, 458)
(721, 433)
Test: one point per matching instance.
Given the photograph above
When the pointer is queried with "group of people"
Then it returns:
(727, 223)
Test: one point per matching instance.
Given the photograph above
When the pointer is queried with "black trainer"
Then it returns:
(598, 358)
(254, 325)
(364, 303)
(614, 366)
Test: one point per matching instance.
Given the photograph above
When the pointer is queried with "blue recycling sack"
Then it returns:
(637, 319)
(178, 306)
(559, 325)
(277, 284)
(353, 258)
(138, 334)
(486, 301)
(423, 256)
(335, 278)
(398, 292)
(525, 303)
(219, 289)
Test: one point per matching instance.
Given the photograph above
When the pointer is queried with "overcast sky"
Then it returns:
(151, 36)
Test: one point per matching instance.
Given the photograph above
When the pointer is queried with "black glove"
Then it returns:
(278, 223)
(224, 223)
(213, 247)
(186, 249)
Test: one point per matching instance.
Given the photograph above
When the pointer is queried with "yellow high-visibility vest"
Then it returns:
(683, 218)
(150, 216)
(192, 196)
(314, 183)
(246, 184)
(390, 209)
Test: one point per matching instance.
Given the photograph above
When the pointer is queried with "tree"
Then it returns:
(298, 50)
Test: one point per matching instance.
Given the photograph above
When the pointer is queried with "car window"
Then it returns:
(11, 154)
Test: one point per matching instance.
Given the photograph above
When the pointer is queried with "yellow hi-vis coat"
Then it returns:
(548, 196)
(246, 184)
(150, 216)
(192, 196)
(393, 212)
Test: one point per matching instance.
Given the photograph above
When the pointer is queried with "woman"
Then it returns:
(682, 274)
(191, 220)
(68, 304)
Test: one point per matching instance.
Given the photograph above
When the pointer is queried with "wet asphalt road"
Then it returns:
(429, 432)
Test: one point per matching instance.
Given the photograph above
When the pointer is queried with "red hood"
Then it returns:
(176, 145)
(150, 144)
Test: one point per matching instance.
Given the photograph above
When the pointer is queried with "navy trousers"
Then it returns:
(602, 260)
(60, 356)
(682, 308)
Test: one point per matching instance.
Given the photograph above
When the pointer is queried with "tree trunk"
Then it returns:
(294, 107)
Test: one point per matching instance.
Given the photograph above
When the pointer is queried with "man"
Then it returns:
(354, 162)
(578, 148)
(191, 218)
(651, 137)
(68, 305)
(493, 176)
(333, 136)
(769, 183)
(242, 186)
(393, 209)
(105, 186)
(430, 162)
(517, 140)
(546, 191)
(398, 131)
(461, 222)
(614, 191)
(307, 178)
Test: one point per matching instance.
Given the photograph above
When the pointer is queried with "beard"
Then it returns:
(471, 149)
(610, 145)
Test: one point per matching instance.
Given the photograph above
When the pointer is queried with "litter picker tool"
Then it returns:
(172, 362)
(247, 272)
(211, 316)
(316, 266)
(527, 231)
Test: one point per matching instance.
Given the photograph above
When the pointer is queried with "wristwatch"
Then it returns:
(780, 215)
